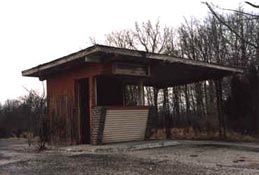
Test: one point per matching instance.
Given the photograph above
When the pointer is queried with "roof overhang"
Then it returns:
(101, 53)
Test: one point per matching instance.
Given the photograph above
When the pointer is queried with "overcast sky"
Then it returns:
(36, 31)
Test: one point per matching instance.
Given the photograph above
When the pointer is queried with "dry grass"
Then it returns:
(191, 134)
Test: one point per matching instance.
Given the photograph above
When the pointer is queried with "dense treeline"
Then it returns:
(23, 115)
(242, 105)
(230, 39)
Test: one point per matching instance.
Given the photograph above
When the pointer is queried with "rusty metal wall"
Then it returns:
(125, 125)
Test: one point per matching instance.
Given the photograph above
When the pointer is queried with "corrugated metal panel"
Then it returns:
(125, 125)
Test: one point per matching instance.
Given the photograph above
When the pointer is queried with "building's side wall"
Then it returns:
(62, 102)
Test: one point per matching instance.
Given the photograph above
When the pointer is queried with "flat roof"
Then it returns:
(98, 53)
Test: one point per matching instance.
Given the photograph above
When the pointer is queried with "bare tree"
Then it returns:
(35, 107)
(145, 36)
(239, 31)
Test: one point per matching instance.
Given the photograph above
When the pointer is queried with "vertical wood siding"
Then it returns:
(62, 102)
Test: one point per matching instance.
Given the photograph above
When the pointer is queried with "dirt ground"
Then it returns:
(189, 157)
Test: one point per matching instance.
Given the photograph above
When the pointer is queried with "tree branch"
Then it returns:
(253, 5)
(228, 26)
(236, 11)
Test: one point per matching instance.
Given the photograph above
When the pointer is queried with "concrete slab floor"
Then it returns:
(119, 147)
(151, 144)
(166, 157)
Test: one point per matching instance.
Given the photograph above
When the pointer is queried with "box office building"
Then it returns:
(85, 91)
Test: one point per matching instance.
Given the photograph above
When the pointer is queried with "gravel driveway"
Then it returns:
(190, 158)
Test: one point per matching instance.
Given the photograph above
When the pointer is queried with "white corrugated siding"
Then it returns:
(125, 125)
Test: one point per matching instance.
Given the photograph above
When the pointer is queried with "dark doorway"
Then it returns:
(84, 111)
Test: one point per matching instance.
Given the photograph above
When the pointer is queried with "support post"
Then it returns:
(91, 103)
(141, 99)
(156, 90)
(222, 127)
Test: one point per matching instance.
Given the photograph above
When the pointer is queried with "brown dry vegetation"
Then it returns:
(190, 134)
